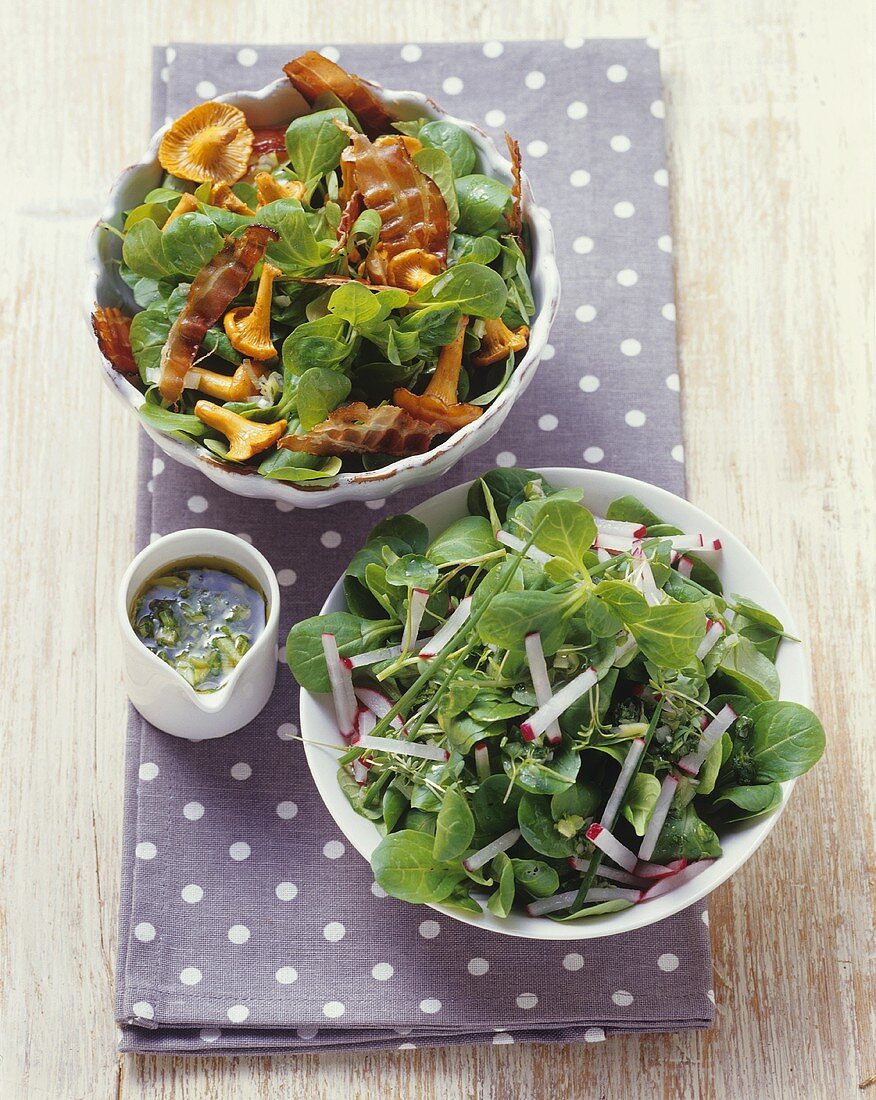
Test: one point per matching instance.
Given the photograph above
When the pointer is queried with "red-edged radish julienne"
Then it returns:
(612, 847)
(418, 599)
(433, 646)
(620, 527)
(716, 629)
(342, 686)
(658, 817)
(672, 882)
(541, 683)
(489, 851)
(631, 762)
(482, 761)
(514, 543)
(404, 748)
(595, 895)
(379, 705)
(710, 736)
(539, 721)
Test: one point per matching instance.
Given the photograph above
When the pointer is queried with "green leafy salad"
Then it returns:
(550, 710)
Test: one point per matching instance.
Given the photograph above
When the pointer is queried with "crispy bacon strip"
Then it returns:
(515, 218)
(269, 139)
(358, 429)
(314, 75)
(113, 331)
(216, 286)
(354, 207)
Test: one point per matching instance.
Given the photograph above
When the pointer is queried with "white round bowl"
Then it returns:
(275, 105)
(739, 571)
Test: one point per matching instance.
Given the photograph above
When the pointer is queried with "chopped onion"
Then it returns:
(482, 761)
(716, 629)
(541, 684)
(342, 686)
(484, 855)
(658, 817)
(612, 847)
(433, 646)
(620, 527)
(514, 543)
(634, 753)
(404, 748)
(380, 705)
(712, 733)
(665, 885)
(416, 609)
(560, 702)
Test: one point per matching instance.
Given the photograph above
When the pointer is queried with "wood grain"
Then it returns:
(771, 154)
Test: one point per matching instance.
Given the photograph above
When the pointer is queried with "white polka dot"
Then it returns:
(661, 177)
(287, 732)
(170, 55)
(622, 998)
(286, 975)
(668, 962)
(668, 311)
(411, 52)
(190, 975)
(548, 422)
(478, 967)
(594, 454)
(537, 148)
(239, 850)
(241, 771)
(673, 383)
(573, 961)
(493, 49)
(577, 109)
(548, 351)
(583, 245)
(148, 771)
(154, 537)
(505, 458)
(330, 539)
(452, 85)
(382, 972)
(495, 117)
(430, 1006)
(585, 314)
(620, 143)
(624, 210)
(664, 243)
(617, 74)
(635, 418)
(145, 932)
(239, 933)
(378, 891)
(334, 931)
(150, 486)
(630, 347)
(284, 506)
(197, 504)
(331, 52)
(579, 178)
(627, 277)
(534, 80)
(287, 576)
(705, 917)
(206, 89)
(238, 1014)
(677, 452)
(243, 535)
(527, 1000)
(374, 505)
(589, 383)
(710, 993)
(145, 850)
(194, 811)
(247, 56)
(572, 43)
(594, 1035)
(286, 810)
(407, 1046)
(209, 1034)
(286, 891)
(502, 1038)
(157, 466)
(429, 929)
(333, 1009)
(658, 109)
(192, 893)
(333, 850)
(143, 1009)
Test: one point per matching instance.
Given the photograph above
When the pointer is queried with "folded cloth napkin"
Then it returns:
(247, 923)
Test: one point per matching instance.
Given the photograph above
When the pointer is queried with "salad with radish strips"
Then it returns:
(547, 710)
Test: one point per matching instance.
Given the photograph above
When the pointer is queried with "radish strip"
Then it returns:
(594, 896)
(665, 885)
(416, 608)
(404, 748)
(637, 747)
(658, 817)
(482, 761)
(685, 566)
(342, 686)
(612, 847)
(541, 683)
(620, 527)
(623, 649)
(380, 705)
(698, 542)
(485, 854)
(602, 555)
(654, 871)
(514, 543)
(716, 629)
(604, 871)
(373, 657)
(649, 586)
(433, 646)
(539, 720)
(366, 720)
(712, 733)
(360, 773)
(618, 543)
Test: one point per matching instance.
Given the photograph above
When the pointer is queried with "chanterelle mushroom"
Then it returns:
(247, 437)
(439, 406)
(498, 341)
(269, 189)
(222, 195)
(210, 143)
(227, 387)
(249, 327)
(187, 204)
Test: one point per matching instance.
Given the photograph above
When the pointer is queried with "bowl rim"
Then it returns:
(344, 485)
(799, 687)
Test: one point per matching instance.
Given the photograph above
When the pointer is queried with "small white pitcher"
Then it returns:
(158, 691)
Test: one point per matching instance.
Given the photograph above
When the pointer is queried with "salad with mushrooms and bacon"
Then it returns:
(334, 294)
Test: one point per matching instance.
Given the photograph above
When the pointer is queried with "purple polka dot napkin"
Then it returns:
(248, 924)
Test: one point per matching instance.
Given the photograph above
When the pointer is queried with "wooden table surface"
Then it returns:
(769, 120)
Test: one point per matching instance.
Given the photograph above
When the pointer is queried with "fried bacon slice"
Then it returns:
(515, 218)
(358, 429)
(216, 286)
(267, 140)
(113, 331)
(313, 75)
(353, 208)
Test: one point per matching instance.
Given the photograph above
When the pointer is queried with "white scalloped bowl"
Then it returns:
(275, 105)
(739, 571)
